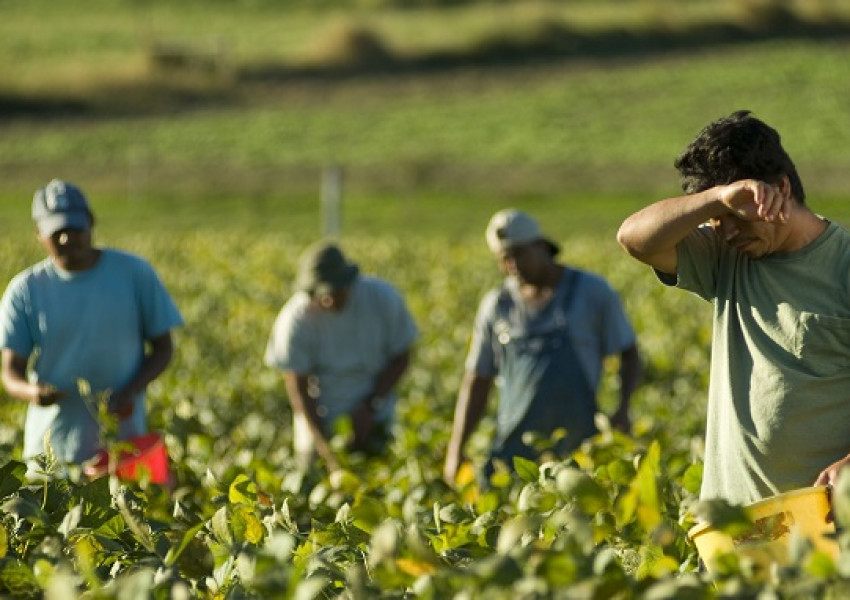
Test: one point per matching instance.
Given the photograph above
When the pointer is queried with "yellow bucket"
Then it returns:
(804, 511)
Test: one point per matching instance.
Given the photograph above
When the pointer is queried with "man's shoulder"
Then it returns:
(124, 259)
(377, 292)
(296, 306)
(376, 284)
(499, 299)
(39, 270)
(839, 231)
(588, 280)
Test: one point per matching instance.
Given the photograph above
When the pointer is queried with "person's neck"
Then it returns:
(805, 228)
(541, 291)
(80, 264)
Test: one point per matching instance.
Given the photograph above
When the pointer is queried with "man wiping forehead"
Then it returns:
(778, 276)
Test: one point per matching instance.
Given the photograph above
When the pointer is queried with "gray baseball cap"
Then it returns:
(323, 269)
(510, 228)
(60, 205)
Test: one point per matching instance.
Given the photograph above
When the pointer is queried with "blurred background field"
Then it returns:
(439, 112)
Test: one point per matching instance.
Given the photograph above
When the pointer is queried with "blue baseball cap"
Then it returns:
(60, 205)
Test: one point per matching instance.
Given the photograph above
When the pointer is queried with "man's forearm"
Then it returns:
(304, 404)
(389, 377)
(630, 374)
(14, 377)
(153, 365)
(660, 227)
(471, 404)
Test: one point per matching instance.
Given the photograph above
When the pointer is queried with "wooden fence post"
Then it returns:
(332, 178)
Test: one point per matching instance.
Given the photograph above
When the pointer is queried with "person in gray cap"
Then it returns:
(83, 313)
(343, 342)
(544, 334)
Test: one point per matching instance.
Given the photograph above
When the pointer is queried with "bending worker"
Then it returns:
(343, 342)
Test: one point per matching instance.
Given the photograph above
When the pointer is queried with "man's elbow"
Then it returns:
(629, 240)
(631, 364)
(163, 348)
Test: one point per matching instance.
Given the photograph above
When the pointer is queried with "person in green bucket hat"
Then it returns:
(343, 341)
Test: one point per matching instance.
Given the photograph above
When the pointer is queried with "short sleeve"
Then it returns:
(619, 335)
(698, 257)
(481, 358)
(402, 327)
(159, 312)
(288, 347)
(15, 330)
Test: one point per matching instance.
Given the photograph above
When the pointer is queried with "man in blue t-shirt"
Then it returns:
(84, 314)
(544, 335)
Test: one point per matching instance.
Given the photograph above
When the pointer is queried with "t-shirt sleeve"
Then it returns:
(698, 258)
(618, 334)
(288, 347)
(159, 313)
(15, 330)
(481, 358)
(402, 327)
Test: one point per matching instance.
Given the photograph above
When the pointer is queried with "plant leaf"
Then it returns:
(527, 470)
(12, 476)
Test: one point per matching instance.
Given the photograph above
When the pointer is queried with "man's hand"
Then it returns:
(47, 395)
(830, 474)
(753, 200)
(363, 422)
(621, 421)
(121, 404)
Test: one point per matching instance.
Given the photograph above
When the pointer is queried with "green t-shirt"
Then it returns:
(779, 393)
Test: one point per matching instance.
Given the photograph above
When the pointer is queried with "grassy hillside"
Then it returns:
(83, 99)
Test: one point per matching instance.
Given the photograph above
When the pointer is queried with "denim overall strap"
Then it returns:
(544, 386)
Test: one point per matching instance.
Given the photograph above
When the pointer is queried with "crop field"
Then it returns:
(216, 181)
(241, 518)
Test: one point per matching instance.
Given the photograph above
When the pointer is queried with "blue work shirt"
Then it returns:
(87, 325)
(548, 362)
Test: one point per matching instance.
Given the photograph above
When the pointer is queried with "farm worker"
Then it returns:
(83, 313)
(543, 336)
(778, 276)
(343, 341)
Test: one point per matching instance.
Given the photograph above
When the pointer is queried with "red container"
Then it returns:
(148, 455)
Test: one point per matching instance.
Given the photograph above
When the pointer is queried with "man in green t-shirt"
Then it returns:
(778, 276)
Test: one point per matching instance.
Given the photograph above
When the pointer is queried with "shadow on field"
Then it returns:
(181, 80)
(364, 53)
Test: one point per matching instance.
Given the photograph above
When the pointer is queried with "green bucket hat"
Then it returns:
(323, 269)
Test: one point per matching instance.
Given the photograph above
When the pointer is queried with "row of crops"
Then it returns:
(242, 521)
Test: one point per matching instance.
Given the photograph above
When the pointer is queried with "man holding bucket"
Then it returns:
(84, 313)
(778, 276)
(544, 334)
(343, 342)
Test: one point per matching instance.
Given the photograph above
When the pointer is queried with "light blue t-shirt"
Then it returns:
(90, 325)
(345, 350)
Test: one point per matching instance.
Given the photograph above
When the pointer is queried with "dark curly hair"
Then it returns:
(736, 147)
